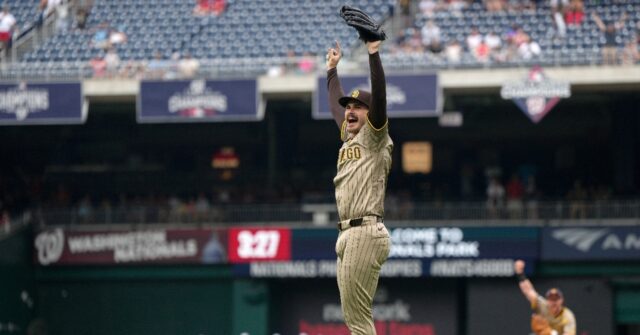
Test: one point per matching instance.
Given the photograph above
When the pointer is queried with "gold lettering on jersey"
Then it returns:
(348, 154)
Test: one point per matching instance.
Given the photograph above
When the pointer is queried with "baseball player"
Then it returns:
(550, 316)
(364, 161)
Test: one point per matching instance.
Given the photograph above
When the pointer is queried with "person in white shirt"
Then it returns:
(7, 27)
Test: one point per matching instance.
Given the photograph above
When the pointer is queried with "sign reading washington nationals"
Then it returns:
(407, 95)
(38, 103)
(198, 101)
(174, 246)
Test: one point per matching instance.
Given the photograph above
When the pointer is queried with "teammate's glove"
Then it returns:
(539, 325)
(366, 26)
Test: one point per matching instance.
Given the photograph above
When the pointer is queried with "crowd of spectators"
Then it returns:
(422, 35)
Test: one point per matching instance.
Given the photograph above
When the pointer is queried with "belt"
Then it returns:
(346, 224)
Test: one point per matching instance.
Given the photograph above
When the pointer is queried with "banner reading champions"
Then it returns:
(39, 103)
(198, 101)
(407, 95)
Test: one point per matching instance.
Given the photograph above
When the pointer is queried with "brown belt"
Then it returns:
(346, 224)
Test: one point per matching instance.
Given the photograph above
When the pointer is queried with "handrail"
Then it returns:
(542, 212)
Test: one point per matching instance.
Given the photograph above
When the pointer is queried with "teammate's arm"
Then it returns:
(525, 284)
(378, 109)
(333, 84)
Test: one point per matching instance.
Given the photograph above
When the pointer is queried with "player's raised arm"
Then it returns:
(378, 109)
(525, 284)
(333, 84)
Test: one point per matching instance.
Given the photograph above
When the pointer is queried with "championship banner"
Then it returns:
(415, 252)
(591, 243)
(407, 95)
(536, 94)
(158, 246)
(198, 101)
(42, 104)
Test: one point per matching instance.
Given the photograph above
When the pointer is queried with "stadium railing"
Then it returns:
(466, 213)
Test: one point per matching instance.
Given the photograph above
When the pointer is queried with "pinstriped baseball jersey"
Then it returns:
(363, 166)
(563, 323)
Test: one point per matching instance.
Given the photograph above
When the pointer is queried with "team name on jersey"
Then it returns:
(349, 154)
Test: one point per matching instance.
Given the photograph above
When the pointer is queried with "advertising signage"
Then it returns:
(154, 246)
(591, 243)
(281, 252)
(415, 252)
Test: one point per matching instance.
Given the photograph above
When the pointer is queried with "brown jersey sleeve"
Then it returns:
(335, 92)
(378, 109)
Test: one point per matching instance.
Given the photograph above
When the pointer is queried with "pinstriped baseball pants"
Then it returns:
(361, 252)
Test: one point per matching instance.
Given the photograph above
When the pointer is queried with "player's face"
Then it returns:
(356, 115)
(555, 305)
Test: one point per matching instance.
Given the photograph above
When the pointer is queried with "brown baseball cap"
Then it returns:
(554, 294)
(360, 96)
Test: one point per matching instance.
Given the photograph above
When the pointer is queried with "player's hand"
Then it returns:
(373, 47)
(333, 56)
(518, 266)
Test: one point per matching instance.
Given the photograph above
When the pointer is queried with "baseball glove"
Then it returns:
(366, 26)
(540, 325)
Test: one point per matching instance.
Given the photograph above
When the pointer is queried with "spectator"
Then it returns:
(557, 5)
(157, 67)
(630, 54)
(99, 66)
(495, 197)
(515, 193)
(531, 197)
(306, 63)
(577, 197)
(206, 7)
(481, 52)
(62, 16)
(529, 49)
(188, 66)
(219, 7)
(202, 208)
(117, 36)
(493, 41)
(430, 34)
(100, 37)
(574, 13)
(7, 27)
(456, 7)
(610, 49)
(453, 52)
(85, 210)
(474, 39)
(558, 20)
(112, 63)
(82, 14)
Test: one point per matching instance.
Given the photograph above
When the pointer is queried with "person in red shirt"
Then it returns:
(515, 192)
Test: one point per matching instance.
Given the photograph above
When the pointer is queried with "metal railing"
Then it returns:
(518, 213)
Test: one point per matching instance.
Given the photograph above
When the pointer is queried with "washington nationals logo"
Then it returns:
(536, 94)
(49, 246)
